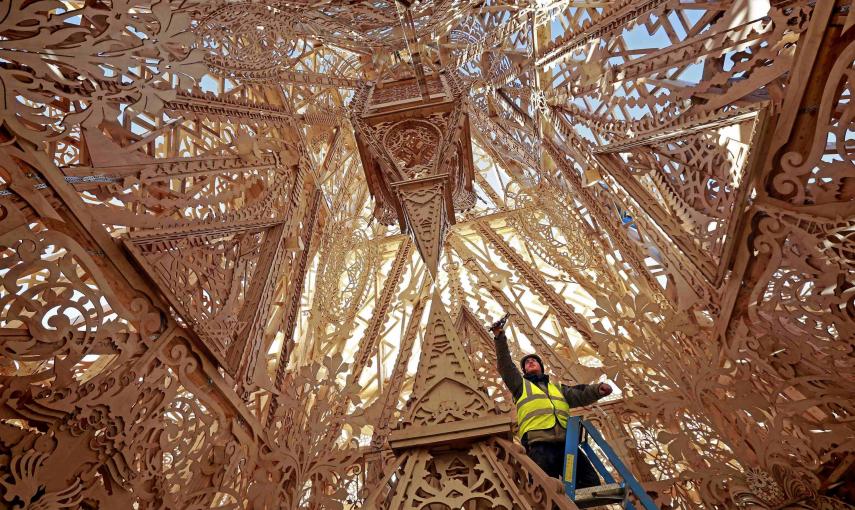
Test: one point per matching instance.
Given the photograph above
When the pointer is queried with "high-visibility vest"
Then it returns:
(537, 410)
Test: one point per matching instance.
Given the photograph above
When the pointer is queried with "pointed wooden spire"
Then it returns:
(428, 212)
(453, 447)
(447, 403)
(444, 362)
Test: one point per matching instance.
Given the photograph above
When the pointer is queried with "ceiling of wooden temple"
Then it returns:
(231, 233)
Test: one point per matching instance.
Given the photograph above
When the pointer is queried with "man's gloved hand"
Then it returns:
(499, 326)
(605, 389)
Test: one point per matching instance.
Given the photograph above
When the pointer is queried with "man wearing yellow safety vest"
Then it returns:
(543, 408)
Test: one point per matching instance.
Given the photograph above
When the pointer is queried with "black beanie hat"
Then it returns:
(536, 357)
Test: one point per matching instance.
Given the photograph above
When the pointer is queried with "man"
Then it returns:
(543, 408)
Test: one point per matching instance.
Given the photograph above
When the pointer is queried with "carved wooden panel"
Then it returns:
(210, 295)
(417, 156)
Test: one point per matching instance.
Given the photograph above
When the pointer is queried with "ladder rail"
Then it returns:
(621, 468)
(573, 442)
(598, 464)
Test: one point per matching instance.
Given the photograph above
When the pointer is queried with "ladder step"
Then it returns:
(600, 490)
(599, 495)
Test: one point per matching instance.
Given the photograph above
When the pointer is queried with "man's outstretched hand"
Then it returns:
(499, 326)
(605, 389)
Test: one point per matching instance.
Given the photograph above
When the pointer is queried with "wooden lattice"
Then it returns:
(223, 224)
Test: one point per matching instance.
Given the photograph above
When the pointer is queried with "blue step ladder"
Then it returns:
(613, 492)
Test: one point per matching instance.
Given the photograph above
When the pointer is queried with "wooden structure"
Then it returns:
(223, 225)
(453, 444)
(417, 156)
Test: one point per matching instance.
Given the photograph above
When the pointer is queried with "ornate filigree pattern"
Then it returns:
(202, 304)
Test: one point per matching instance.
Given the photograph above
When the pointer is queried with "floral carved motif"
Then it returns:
(412, 144)
(209, 213)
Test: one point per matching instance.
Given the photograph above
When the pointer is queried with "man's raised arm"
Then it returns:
(507, 368)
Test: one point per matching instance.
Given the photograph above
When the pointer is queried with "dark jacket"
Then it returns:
(576, 396)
